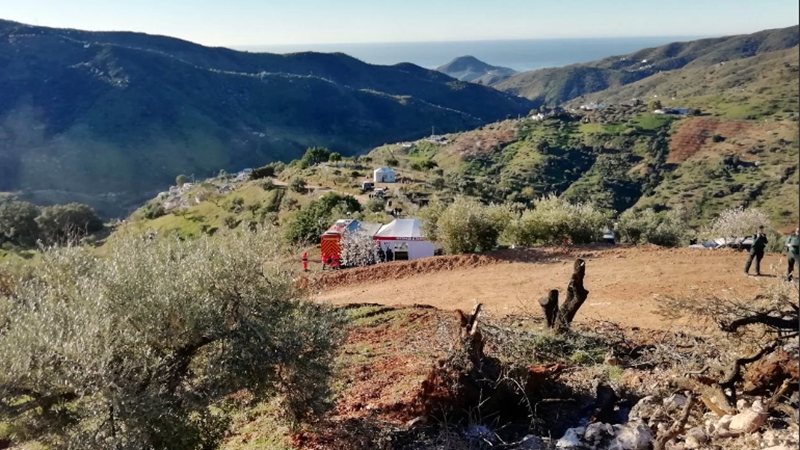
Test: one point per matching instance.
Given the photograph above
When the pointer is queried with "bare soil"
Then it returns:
(623, 282)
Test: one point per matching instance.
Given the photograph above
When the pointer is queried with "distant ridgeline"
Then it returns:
(111, 118)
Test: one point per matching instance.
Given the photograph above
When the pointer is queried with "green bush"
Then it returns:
(153, 211)
(18, 223)
(262, 172)
(298, 185)
(140, 349)
(668, 229)
(376, 205)
(61, 224)
(467, 226)
(553, 220)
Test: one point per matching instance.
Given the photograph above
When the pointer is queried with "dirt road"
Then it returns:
(623, 282)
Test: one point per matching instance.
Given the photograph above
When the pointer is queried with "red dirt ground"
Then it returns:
(696, 132)
(623, 282)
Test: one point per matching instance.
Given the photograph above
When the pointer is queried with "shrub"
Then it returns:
(262, 172)
(429, 216)
(298, 185)
(61, 224)
(268, 185)
(467, 226)
(376, 205)
(153, 211)
(139, 349)
(554, 220)
(18, 223)
(181, 179)
(392, 162)
(668, 229)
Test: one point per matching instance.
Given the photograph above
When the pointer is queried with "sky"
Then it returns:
(282, 22)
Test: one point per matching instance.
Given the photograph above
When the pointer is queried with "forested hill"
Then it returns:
(110, 118)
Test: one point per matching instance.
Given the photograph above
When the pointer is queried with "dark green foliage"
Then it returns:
(392, 162)
(153, 210)
(334, 157)
(18, 223)
(311, 221)
(316, 155)
(298, 185)
(376, 205)
(262, 172)
(61, 224)
(181, 179)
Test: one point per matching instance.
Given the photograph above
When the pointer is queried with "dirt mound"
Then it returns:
(406, 269)
(693, 135)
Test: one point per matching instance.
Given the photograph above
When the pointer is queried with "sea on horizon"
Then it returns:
(520, 55)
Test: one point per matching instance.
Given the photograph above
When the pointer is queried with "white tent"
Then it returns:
(383, 175)
(405, 234)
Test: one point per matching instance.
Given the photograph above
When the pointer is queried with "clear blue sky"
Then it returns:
(266, 22)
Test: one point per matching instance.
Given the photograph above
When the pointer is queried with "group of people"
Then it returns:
(759, 244)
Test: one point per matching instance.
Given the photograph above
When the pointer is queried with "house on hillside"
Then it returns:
(384, 175)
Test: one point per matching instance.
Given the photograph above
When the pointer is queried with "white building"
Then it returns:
(383, 175)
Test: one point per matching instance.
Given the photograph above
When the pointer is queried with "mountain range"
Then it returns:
(110, 118)
(558, 85)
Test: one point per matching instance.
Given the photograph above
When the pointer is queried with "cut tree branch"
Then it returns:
(677, 427)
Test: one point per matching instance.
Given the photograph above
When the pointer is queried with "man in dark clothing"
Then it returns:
(792, 252)
(381, 254)
(389, 254)
(756, 251)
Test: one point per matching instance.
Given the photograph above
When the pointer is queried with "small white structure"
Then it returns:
(404, 237)
(383, 175)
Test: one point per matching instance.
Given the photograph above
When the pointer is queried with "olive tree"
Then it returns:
(139, 349)
(467, 226)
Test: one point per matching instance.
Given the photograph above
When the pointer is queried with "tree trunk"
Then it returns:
(550, 307)
(576, 295)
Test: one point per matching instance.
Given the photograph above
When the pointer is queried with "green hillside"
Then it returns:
(558, 85)
(763, 84)
(110, 119)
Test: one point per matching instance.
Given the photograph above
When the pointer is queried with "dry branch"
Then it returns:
(677, 427)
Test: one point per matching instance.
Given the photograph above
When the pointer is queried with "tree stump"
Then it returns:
(549, 305)
(576, 296)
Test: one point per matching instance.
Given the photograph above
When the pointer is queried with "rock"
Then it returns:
(750, 420)
(572, 438)
(779, 447)
(695, 438)
(674, 402)
(531, 442)
(632, 436)
(646, 408)
(596, 433)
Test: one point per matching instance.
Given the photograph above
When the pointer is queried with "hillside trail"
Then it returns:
(623, 282)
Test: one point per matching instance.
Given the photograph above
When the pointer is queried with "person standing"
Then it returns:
(792, 253)
(756, 251)
(305, 261)
(389, 254)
